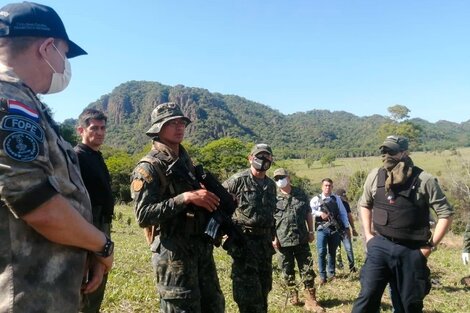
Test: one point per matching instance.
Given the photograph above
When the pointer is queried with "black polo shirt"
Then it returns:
(97, 180)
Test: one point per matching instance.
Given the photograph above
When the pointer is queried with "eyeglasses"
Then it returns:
(279, 178)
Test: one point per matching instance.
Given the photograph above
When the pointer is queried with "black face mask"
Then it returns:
(261, 164)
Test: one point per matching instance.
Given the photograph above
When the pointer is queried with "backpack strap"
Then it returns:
(159, 161)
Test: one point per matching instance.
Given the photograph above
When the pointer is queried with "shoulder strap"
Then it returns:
(159, 161)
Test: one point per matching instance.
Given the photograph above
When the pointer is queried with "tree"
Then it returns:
(68, 132)
(224, 157)
(398, 112)
(327, 159)
(404, 128)
(356, 183)
(309, 161)
(120, 166)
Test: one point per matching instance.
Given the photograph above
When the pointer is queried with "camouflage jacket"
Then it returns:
(256, 204)
(291, 217)
(36, 163)
(159, 197)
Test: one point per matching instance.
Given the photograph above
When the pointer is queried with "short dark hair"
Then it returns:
(90, 114)
(326, 180)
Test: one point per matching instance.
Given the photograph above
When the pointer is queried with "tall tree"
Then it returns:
(398, 112)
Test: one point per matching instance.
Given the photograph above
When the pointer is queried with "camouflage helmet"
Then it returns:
(163, 113)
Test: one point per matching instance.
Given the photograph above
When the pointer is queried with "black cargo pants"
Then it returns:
(404, 267)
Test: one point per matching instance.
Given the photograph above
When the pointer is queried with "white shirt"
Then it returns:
(316, 202)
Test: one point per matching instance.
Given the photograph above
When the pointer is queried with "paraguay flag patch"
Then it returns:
(19, 108)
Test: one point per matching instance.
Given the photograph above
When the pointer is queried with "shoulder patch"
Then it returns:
(21, 146)
(20, 123)
(146, 175)
(18, 108)
(137, 185)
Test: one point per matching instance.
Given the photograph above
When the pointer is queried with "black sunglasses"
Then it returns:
(279, 178)
(388, 151)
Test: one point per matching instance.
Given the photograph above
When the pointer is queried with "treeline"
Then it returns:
(301, 135)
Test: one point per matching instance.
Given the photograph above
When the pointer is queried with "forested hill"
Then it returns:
(215, 115)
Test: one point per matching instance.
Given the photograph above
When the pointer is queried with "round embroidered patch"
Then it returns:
(136, 185)
(21, 147)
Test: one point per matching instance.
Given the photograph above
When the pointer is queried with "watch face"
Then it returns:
(111, 248)
(107, 249)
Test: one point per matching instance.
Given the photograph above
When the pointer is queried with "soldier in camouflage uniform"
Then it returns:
(294, 232)
(45, 212)
(252, 263)
(176, 208)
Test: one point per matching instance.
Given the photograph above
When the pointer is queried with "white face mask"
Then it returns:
(281, 183)
(60, 81)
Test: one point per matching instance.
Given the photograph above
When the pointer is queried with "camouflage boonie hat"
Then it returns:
(163, 113)
(261, 147)
(395, 143)
(280, 172)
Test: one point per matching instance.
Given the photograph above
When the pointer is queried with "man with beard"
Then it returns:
(396, 201)
(252, 262)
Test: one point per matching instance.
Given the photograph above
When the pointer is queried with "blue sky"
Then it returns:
(292, 55)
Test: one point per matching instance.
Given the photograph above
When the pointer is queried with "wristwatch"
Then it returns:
(108, 248)
(431, 245)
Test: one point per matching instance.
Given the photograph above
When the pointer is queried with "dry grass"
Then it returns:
(131, 283)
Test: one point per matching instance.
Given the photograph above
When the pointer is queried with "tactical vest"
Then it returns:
(395, 214)
(333, 208)
(192, 221)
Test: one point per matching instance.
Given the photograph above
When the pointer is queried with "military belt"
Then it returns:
(255, 231)
(407, 243)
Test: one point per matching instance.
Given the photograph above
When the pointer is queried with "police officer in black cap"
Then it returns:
(45, 212)
(396, 201)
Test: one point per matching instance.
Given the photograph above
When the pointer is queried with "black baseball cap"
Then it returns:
(395, 143)
(29, 19)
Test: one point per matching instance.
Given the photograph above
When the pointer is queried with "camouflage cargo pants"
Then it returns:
(300, 253)
(252, 275)
(187, 281)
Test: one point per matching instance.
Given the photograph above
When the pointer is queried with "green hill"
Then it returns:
(215, 116)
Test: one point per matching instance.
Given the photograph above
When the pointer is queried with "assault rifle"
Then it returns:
(332, 221)
(220, 221)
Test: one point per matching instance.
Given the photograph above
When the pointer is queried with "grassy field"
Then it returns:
(131, 286)
(436, 163)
